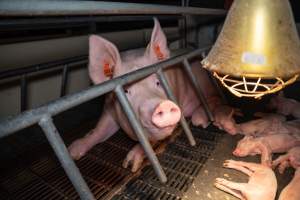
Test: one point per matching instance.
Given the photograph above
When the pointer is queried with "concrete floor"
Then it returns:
(203, 186)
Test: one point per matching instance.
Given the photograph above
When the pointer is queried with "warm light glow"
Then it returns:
(259, 31)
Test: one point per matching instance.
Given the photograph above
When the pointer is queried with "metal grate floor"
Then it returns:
(102, 169)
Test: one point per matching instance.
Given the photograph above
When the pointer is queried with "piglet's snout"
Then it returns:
(165, 114)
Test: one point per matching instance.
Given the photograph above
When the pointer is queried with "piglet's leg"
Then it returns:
(251, 166)
(236, 189)
(105, 128)
(285, 164)
(279, 160)
(134, 158)
(266, 154)
(235, 165)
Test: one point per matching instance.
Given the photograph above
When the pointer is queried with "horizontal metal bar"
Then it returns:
(198, 89)
(171, 96)
(140, 133)
(56, 8)
(30, 117)
(63, 155)
(44, 66)
(6, 23)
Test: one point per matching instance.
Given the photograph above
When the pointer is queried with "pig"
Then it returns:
(291, 191)
(266, 145)
(158, 115)
(291, 158)
(285, 106)
(262, 182)
(267, 124)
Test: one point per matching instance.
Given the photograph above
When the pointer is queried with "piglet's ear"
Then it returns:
(104, 59)
(157, 49)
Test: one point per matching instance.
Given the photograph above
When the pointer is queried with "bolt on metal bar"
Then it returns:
(23, 93)
(199, 92)
(171, 96)
(140, 133)
(64, 81)
(30, 117)
(56, 142)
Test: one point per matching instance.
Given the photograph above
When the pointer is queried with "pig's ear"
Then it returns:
(104, 59)
(158, 48)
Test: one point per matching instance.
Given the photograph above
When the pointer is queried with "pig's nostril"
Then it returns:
(160, 113)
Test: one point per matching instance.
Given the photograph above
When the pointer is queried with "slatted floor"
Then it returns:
(102, 169)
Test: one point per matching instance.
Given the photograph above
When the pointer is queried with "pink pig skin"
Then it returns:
(262, 184)
(292, 158)
(158, 115)
(292, 190)
(266, 125)
(285, 105)
(265, 145)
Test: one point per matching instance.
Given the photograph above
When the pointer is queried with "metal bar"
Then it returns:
(171, 96)
(64, 81)
(23, 93)
(218, 87)
(139, 131)
(77, 8)
(30, 117)
(66, 161)
(198, 89)
(35, 68)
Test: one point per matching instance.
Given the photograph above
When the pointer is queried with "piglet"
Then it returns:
(262, 182)
(224, 120)
(267, 124)
(292, 158)
(285, 106)
(265, 145)
(291, 191)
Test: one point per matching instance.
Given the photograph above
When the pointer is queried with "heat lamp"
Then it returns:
(258, 49)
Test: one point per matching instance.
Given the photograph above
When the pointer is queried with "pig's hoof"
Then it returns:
(77, 149)
(134, 158)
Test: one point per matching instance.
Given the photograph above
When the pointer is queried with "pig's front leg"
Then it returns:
(199, 118)
(105, 128)
(134, 158)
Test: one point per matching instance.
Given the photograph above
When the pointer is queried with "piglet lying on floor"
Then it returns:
(262, 184)
(266, 125)
(291, 191)
(265, 145)
(285, 105)
(292, 158)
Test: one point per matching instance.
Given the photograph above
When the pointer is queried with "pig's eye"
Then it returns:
(157, 83)
(126, 91)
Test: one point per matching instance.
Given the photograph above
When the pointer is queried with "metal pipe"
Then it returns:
(64, 80)
(77, 8)
(171, 96)
(140, 133)
(23, 93)
(66, 161)
(30, 117)
(197, 87)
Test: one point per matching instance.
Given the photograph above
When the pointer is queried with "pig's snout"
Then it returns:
(165, 114)
(236, 152)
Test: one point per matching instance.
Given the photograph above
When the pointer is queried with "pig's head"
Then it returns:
(158, 115)
(244, 147)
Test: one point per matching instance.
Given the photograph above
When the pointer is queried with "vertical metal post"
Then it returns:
(198, 89)
(23, 93)
(215, 83)
(66, 161)
(64, 81)
(139, 131)
(171, 96)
